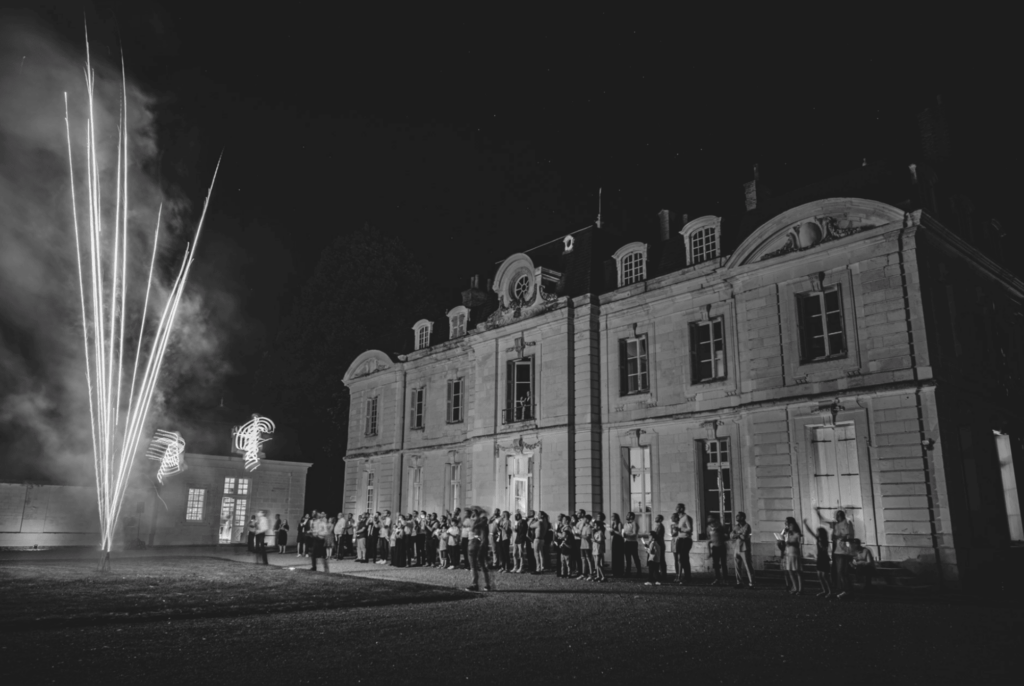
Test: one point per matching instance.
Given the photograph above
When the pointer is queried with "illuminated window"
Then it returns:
(229, 485)
(371, 416)
(821, 325)
(415, 489)
(455, 392)
(640, 485)
(704, 245)
(240, 511)
(423, 328)
(369, 492)
(717, 483)
(416, 411)
(519, 402)
(243, 487)
(456, 484)
(707, 350)
(194, 505)
(521, 287)
(457, 319)
(633, 366)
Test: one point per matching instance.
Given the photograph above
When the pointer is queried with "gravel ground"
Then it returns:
(539, 629)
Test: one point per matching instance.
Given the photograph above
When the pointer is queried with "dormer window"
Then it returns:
(458, 318)
(703, 238)
(423, 329)
(632, 263)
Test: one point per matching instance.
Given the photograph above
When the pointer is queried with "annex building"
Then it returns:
(853, 345)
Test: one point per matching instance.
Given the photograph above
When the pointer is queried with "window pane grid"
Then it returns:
(371, 417)
(194, 505)
(418, 395)
(704, 245)
(637, 378)
(455, 394)
(717, 481)
(243, 487)
(240, 511)
(821, 317)
(710, 349)
(633, 268)
(640, 485)
(369, 492)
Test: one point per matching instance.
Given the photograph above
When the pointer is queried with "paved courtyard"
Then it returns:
(533, 629)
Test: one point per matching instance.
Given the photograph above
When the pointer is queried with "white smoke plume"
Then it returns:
(44, 415)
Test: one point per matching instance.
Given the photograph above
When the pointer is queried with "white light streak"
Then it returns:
(167, 447)
(250, 436)
(117, 426)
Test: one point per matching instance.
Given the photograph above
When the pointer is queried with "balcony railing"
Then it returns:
(520, 412)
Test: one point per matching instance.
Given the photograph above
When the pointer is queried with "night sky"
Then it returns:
(475, 134)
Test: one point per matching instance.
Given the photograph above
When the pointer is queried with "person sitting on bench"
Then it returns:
(863, 563)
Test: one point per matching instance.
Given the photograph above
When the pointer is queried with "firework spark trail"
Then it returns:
(116, 427)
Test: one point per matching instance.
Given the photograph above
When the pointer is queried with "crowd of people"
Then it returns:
(576, 546)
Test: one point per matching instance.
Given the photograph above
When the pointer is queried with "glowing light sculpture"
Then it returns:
(117, 409)
(250, 436)
(167, 447)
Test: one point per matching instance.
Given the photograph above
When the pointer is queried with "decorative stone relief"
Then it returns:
(813, 232)
(519, 446)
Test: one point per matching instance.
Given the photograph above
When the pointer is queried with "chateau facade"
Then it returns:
(837, 349)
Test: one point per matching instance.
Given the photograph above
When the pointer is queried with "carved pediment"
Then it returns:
(369, 363)
(813, 224)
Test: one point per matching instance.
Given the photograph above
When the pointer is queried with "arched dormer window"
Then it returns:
(703, 238)
(458, 321)
(423, 329)
(631, 263)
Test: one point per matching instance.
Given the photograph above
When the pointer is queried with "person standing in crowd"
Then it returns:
(631, 549)
(659, 533)
(477, 549)
(330, 540)
(822, 564)
(251, 539)
(372, 536)
(302, 548)
(842, 551)
(618, 547)
(685, 540)
(564, 538)
(531, 561)
(318, 532)
(862, 563)
(742, 558)
(422, 534)
(505, 542)
(652, 544)
(339, 536)
(492, 538)
(280, 534)
(716, 547)
(361, 534)
(577, 557)
(600, 537)
(586, 549)
(385, 538)
(673, 532)
(454, 542)
(441, 533)
(466, 532)
(540, 538)
(430, 540)
(791, 559)
(260, 542)
(518, 542)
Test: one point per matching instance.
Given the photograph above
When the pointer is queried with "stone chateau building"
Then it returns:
(856, 344)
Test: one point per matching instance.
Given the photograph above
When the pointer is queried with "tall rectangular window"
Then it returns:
(458, 325)
(455, 400)
(716, 481)
(194, 504)
(370, 500)
(634, 374)
(455, 471)
(240, 511)
(1010, 496)
(519, 399)
(416, 489)
(821, 325)
(229, 485)
(371, 416)
(416, 411)
(633, 268)
(704, 244)
(243, 487)
(707, 350)
(640, 485)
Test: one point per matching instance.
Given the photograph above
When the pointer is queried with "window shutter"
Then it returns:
(451, 388)
(623, 369)
(533, 390)
(802, 328)
(694, 354)
(624, 454)
(510, 384)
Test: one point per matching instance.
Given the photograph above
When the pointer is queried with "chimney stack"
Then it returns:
(755, 192)
(665, 223)
(473, 296)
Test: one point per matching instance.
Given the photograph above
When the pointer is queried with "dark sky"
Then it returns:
(475, 134)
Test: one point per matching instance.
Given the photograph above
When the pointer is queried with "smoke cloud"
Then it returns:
(44, 413)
